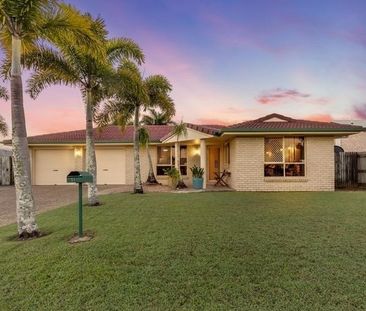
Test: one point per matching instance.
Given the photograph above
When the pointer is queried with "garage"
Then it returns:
(53, 165)
(111, 166)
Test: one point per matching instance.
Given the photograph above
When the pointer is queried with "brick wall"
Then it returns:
(247, 166)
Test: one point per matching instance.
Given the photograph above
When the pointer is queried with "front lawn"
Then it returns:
(202, 251)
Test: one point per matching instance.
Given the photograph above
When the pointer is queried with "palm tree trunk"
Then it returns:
(136, 152)
(91, 162)
(151, 179)
(25, 208)
(181, 184)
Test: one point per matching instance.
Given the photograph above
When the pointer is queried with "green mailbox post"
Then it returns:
(80, 178)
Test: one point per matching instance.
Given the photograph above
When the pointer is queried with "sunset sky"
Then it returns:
(230, 61)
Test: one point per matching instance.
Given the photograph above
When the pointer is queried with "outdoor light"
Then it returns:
(78, 152)
(196, 151)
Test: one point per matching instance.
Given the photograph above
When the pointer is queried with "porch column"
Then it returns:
(203, 160)
(176, 154)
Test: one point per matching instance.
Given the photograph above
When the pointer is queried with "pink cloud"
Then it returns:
(279, 95)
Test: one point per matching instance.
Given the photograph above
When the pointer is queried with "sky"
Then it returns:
(230, 61)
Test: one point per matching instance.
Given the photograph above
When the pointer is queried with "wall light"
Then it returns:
(196, 151)
(78, 152)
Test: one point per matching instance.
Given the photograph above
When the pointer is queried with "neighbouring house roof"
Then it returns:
(271, 123)
(279, 123)
(110, 134)
(352, 122)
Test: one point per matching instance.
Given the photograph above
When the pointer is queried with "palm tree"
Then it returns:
(156, 117)
(23, 25)
(144, 138)
(179, 129)
(136, 93)
(90, 72)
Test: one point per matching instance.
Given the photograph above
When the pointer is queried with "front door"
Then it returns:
(214, 162)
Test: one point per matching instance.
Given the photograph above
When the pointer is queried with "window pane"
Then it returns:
(273, 149)
(183, 170)
(295, 170)
(294, 149)
(160, 170)
(273, 170)
(183, 155)
(163, 155)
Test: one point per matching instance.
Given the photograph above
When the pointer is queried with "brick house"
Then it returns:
(273, 153)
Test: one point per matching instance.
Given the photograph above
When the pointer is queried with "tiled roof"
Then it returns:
(277, 122)
(111, 133)
(206, 128)
(270, 123)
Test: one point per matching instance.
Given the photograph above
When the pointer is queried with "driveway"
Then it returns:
(51, 197)
(46, 198)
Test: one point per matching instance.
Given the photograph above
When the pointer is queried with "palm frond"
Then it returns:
(180, 129)
(45, 78)
(116, 112)
(144, 136)
(4, 93)
(119, 49)
(64, 22)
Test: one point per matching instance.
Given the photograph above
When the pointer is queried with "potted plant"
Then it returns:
(174, 175)
(197, 177)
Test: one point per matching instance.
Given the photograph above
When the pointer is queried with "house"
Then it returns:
(353, 143)
(273, 153)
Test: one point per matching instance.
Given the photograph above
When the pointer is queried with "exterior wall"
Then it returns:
(247, 166)
(353, 143)
(78, 163)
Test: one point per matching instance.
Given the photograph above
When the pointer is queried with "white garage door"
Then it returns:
(111, 166)
(52, 166)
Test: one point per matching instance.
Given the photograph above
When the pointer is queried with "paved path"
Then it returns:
(51, 197)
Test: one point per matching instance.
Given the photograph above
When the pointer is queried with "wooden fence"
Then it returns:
(6, 171)
(350, 169)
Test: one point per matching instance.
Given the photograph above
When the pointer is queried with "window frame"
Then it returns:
(172, 159)
(284, 163)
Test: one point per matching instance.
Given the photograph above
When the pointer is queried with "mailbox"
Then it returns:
(79, 177)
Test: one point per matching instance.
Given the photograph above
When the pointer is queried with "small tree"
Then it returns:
(144, 138)
(180, 129)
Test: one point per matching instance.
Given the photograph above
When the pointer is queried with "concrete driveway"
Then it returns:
(51, 197)
(46, 198)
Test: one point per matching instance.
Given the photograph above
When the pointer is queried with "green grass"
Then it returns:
(202, 251)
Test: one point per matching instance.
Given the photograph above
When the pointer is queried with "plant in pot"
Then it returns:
(197, 177)
(174, 175)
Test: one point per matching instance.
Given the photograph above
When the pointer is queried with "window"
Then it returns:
(166, 159)
(284, 156)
